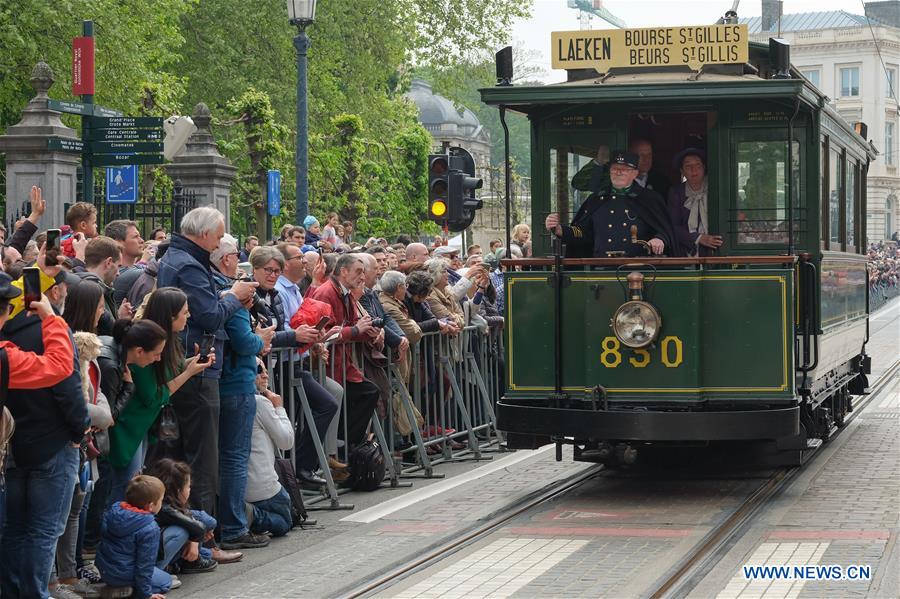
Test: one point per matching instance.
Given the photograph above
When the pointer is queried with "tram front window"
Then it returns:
(762, 190)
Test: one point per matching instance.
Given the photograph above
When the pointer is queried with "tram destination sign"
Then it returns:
(692, 46)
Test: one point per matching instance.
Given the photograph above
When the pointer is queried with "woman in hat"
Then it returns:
(688, 205)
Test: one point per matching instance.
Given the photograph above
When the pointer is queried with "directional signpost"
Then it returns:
(112, 140)
(108, 138)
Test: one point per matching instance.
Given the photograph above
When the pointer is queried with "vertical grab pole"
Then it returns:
(507, 176)
(790, 177)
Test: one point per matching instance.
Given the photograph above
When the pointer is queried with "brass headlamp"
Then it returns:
(636, 323)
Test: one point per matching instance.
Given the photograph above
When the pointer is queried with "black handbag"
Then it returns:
(167, 429)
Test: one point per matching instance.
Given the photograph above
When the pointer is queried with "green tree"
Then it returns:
(137, 44)
(265, 149)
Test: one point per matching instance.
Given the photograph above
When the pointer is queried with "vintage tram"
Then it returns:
(762, 342)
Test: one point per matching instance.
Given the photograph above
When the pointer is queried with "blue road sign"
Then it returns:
(121, 184)
(274, 193)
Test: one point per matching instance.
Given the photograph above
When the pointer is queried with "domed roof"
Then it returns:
(435, 109)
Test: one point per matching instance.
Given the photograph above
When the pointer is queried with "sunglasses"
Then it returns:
(260, 369)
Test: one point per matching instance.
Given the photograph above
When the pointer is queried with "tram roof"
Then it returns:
(678, 87)
(651, 86)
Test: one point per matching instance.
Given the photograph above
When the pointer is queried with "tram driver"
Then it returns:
(604, 221)
(594, 176)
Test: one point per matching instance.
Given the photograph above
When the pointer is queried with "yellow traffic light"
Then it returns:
(438, 208)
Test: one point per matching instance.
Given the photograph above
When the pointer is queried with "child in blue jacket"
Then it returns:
(129, 541)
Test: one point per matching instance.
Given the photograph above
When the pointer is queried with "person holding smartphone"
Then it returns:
(29, 370)
(46, 401)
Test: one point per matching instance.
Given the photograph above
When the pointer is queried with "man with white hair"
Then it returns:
(186, 265)
(393, 334)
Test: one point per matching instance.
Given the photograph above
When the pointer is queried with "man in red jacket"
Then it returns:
(361, 395)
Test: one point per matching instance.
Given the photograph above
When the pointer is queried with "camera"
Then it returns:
(258, 310)
(378, 323)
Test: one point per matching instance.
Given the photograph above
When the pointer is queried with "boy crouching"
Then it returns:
(129, 543)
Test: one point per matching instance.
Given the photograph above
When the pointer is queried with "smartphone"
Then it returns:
(322, 322)
(53, 237)
(51, 246)
(31, 279)
(206, 347)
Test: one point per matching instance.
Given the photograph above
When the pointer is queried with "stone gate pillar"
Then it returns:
(29, 162)
(202, 169)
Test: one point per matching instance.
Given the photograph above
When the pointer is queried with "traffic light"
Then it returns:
(438, 186)
(462, 202)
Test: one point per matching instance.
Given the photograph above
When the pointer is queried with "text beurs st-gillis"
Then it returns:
(665, 46)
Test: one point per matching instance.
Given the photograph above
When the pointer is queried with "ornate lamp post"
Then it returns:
(301, 14)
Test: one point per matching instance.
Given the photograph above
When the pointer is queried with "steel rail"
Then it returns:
(712, 547)
(444, 550)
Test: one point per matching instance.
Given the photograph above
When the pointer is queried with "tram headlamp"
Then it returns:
(636, 323)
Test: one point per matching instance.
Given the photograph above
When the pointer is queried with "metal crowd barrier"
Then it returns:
(441, 410)
(881, 294)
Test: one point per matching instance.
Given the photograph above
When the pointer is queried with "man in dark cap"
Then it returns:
(603, 223)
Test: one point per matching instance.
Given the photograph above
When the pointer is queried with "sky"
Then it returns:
(533, 34)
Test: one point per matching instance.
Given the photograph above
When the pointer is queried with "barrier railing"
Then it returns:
(881, 294)
(435, 404)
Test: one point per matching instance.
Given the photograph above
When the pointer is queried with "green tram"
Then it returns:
(762, 342)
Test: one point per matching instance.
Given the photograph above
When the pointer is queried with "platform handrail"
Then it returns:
(700, 261)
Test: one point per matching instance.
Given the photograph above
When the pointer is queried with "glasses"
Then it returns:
(233, 254)
(260, 369)
(272, 272)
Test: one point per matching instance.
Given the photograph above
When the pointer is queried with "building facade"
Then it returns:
(854, 59)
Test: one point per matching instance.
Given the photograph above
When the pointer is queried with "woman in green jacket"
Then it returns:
(153, 383)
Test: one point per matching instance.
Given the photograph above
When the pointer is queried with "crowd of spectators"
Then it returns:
(884, 271)
(146, 428)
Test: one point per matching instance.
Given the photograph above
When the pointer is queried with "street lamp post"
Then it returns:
(301, 14)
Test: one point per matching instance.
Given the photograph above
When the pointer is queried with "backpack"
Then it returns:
(288, 479)
(366, 466)
(7, 424)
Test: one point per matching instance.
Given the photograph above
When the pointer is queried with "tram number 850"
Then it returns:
(670, 352)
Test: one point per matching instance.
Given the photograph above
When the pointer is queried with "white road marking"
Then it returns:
(398, 503)
(497, 570)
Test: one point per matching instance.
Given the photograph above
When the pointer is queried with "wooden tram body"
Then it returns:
(765, 341)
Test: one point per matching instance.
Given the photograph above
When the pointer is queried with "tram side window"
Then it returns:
(835, 179)
(762, 189)
(850, 205)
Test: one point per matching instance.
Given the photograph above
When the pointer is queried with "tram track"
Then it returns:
(447, 549)
(684, 575)
(715, 544)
